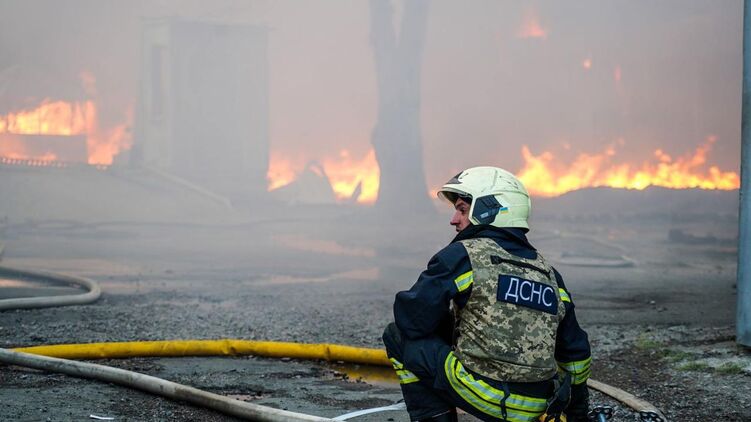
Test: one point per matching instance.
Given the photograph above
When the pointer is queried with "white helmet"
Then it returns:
(498, 198)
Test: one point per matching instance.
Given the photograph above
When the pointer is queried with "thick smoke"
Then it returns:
(658, 75)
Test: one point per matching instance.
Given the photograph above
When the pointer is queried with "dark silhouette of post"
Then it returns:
(396, 138)
(743, 317)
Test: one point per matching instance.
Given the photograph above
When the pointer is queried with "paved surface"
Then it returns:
(323, 280)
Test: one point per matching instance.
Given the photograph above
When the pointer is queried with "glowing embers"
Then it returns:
(545, 176)
(351, 178)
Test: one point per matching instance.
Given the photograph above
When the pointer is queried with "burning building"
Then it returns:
(43, 120)
(202, 111)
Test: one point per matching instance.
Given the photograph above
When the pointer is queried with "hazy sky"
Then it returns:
(568, 77)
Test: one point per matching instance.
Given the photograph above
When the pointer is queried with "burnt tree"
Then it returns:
(396, 138)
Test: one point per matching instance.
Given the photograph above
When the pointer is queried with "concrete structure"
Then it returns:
(202, 112)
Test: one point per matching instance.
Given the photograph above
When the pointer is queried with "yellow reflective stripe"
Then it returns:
(463, 281)
(579, 370)
(530, 404)
(486, 398)
(576, 366)
(488, 392)
(406, 377)
(396, 363)
(581, 378)
(564, 295)
(464, 394)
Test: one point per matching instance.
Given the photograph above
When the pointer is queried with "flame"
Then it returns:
(13, 151)
(105, 144)
(64, 118)
(345, 172)
(543, 177)
(587, 63)
(49, 118)
(531, 27)
(281, 171)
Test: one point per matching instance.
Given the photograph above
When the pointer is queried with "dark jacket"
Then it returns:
(424, 309)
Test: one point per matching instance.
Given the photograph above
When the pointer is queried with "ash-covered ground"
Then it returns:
(655, 292)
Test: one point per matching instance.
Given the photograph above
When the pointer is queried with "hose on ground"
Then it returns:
(234, 347)
(624, 397)
(48, 357)
(49, 301)
(225, 347)
(157, 386)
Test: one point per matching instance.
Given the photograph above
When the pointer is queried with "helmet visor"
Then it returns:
(452, 196)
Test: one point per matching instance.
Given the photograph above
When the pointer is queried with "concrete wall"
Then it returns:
(203, 104)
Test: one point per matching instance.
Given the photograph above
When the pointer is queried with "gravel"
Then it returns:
(661, 329)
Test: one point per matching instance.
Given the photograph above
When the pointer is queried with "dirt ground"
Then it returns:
(657, 299)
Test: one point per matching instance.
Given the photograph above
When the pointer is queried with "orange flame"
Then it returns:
(13, 150)
(531, 27)
(543, 177)
(49, 118)
(105, 144)
(281, 171)
(346, 174)
(62, 118)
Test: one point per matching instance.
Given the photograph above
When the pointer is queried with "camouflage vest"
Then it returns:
(507, 328)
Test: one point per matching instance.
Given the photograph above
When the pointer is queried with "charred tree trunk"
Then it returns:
(396, 138)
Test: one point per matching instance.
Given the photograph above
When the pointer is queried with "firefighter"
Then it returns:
(489, 326)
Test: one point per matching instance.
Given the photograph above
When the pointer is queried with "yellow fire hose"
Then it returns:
(51, 357)
(227, 347)
(273, 349)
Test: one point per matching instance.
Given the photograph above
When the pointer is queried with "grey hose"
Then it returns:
(49, 301)
(157, 386)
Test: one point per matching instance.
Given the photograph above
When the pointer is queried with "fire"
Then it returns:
(543, 177)
(49, 118)
(531, 27)
(281, 171)
(587, 63)
(346, 173)
(63, 118)
(14, 151)
(105, 143)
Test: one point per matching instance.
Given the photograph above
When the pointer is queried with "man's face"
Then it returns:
(460, 220)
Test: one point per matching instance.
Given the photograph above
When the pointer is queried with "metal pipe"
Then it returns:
(743, 315)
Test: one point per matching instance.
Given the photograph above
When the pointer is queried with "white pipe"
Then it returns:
(49, 301)
(157, 386)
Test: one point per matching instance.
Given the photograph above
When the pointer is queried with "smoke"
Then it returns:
(661, 74)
